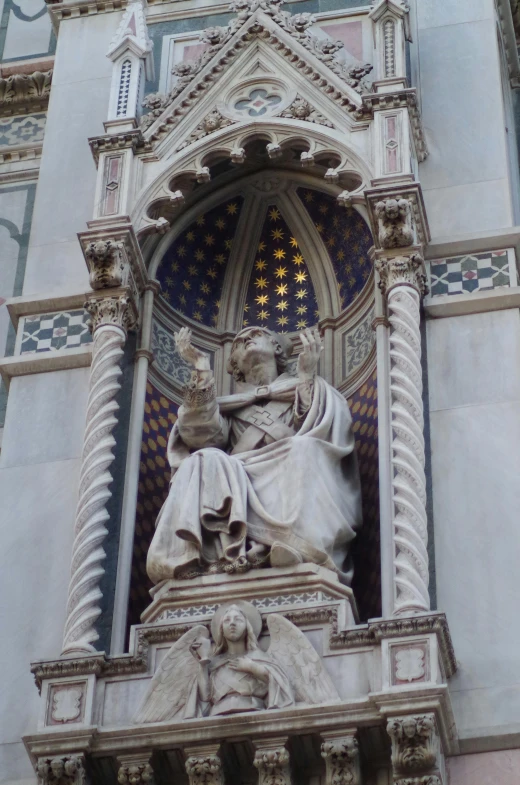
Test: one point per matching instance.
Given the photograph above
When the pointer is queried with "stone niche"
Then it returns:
(379, 669)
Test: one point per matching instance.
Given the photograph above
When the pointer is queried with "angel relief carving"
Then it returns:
(233, 673)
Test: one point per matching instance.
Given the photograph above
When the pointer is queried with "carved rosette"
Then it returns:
(273, 766)
(61, 770)
(341, 761)
(204, 770)
(403, 283)
(415, 749)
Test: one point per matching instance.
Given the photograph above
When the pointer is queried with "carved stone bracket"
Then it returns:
(204, 767)
(62, 770)
(397, 216)
(273, 763)
(135, 770)
(341, 755)
(416, 758)
(18, 91)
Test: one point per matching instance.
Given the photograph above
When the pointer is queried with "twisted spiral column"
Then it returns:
(111, 317)
(403, 284)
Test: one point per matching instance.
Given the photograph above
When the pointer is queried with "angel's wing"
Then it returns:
(301, 662)
(171, 683)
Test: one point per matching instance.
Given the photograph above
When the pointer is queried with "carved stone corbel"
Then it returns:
(62, 770)
(341, 756)
(204, 767)
(135, 770)
(416, 758)
(273, 763)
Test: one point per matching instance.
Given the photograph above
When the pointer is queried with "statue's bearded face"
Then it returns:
(252, 345)
(234, 624)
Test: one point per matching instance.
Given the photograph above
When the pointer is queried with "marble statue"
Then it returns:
(198, 678)
(266, 476)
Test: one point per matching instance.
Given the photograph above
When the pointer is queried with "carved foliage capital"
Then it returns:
(341, 761)
(204, 770)
(61, 770)
(402, 270)
(135, 774)
(273, 766)
(116, 310)
(415, 743)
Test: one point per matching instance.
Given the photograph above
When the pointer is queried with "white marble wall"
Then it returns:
(474, 381)
(466, 176)
(65, 195)
(39, 472)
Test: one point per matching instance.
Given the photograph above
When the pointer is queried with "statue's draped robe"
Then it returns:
(295, 485)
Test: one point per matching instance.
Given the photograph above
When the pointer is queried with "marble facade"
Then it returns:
(390, 127)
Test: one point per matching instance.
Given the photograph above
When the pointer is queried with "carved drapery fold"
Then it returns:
(341, 756)
(403, 283)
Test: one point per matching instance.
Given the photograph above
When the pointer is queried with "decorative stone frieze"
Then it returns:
(20, 90)
(415, 750)
(204, 767)
(273, 763)
(61, 770)
(341, 755)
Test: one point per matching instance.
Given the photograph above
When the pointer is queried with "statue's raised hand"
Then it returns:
(310, 354)
(189, 352)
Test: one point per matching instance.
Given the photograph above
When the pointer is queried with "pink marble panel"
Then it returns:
(350, 33)
(192, 51)
(487, 768)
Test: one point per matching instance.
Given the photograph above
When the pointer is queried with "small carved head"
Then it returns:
(282, 350)
(234, 626)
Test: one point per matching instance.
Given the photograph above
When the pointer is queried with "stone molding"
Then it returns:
(341, 755)
(24, 365)
(20, 91)
(61, 770)
(125, 140)
(406, 99)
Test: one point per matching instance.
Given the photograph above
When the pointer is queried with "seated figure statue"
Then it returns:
(266, 476)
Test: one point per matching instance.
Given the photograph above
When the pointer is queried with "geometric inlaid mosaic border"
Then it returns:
(470, 273)
(48, 332)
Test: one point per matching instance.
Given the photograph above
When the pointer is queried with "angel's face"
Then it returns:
(234, 625)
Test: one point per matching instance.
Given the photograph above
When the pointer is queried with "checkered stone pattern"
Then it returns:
(468, 274)
(28, 129)
(50, 332)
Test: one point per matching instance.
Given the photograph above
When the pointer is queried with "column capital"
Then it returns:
(341, 756)
(401, 267)
(135, 769)
(113, 308)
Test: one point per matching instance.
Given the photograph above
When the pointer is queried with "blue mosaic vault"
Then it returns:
(346, 237)
(193, 268)
(280, 295)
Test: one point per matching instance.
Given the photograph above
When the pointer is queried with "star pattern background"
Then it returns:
(347, 239)
(159, 416)
(193, 268)
(280, 294)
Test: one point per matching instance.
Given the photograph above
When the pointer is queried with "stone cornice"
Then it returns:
(109, 143)
(20, 92)
(396, 100)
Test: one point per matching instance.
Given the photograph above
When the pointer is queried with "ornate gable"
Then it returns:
(258, 66)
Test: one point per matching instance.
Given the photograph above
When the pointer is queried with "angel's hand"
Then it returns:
(190, 353)
(310, 354)
(245, 665)
(200, 649)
